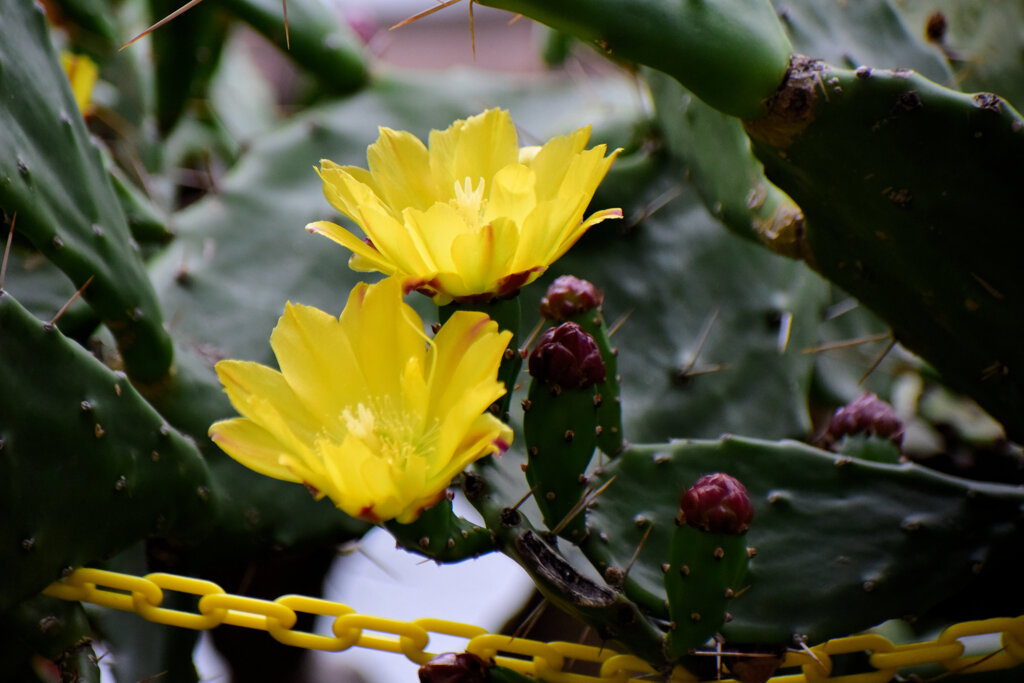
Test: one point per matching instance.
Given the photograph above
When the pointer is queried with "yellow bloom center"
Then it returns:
(469, 202)
(395, 436)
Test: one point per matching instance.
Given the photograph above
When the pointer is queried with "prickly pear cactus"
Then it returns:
(89, 467)
(679, 474)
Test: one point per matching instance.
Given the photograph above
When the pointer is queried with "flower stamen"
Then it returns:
(468, 201)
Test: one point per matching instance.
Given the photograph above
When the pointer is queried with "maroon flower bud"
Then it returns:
(569, 296)
(868, 414)
(717, 503)
(449, 667)
(568, 357)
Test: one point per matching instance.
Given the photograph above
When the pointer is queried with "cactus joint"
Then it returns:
(791, 108)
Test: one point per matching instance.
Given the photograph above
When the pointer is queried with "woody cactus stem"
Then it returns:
(572, 299)
(732, 54)
(560, 423)
(708, 560)
(611, 614)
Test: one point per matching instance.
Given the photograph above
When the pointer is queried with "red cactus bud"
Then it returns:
(568, 357)
(569, 296)
(717, 503)
(868, 414)
(449, 667)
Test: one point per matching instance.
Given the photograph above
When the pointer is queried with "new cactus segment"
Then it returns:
(88, 467)
(708, 560)
(574, 300)
(560, 424)
(867, 428)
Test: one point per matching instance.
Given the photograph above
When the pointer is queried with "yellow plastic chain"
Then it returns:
(545, 661)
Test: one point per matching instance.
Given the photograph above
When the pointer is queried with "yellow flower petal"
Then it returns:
(82, 73)
(369, 258)
(477, 257)
(253, 446)
(366, 408)
(472, 216)
(550, 162)
(513, 194)
(400, 167)
(318, 361)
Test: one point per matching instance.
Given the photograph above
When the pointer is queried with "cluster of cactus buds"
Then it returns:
(866, 415)
(570, 299)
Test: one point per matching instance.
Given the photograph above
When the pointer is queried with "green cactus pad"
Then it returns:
(982, 41)
(560, 428)
(902, 224)
(54, 180)
(40, 626)
(703, 573)
(185, 55)
(89, 467)
(607, 394)
(841, 544)
(871, 32)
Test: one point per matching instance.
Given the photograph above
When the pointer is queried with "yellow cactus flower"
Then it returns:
(82, 72)
(472, 217)
(366, 408)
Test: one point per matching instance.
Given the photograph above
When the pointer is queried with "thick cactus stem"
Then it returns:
(613, 616)
(730, 53)
(708, 560)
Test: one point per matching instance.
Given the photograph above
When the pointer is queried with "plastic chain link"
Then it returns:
(544, 661)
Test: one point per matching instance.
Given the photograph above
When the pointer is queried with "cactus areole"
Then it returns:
(717, 503)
